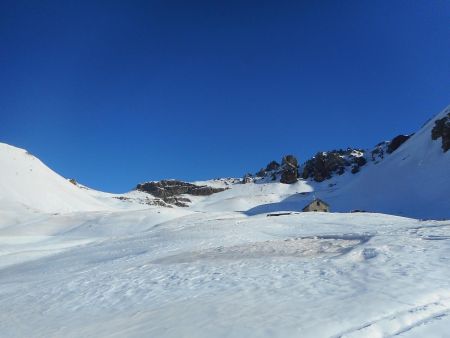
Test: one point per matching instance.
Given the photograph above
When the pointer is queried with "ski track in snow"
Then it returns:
(400, 322)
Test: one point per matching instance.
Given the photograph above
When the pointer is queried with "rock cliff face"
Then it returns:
(321, 167)
(325, 164)
(169, 191)
(289, 169)
(396, 142)
(442, 130)
(286, 172)
(272, 167)
(248, 178)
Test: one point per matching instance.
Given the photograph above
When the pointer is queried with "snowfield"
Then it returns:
(226, 274)
(75, 262)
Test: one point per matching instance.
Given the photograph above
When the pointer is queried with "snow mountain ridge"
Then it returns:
(411, 180)
(76, 262)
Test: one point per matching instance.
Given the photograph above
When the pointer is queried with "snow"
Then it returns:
(413, 181)
(227, 274)
(28, 183)
(76, 262)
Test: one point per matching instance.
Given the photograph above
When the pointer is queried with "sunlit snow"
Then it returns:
(81, 263)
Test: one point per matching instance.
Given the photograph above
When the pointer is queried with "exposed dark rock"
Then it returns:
(169, 190)
(396, 143)
(289, 176)
(274, 165)
(289, 161)
(340, 171)
(159, 202)
(359, 161)
(289, 169)
(323, 165)
(379, 150)
(73, 181)
(247, 179)
(355, 169)
(121, 198)
(178, 201)
(441, 129)
(152, 201)
(261, 173)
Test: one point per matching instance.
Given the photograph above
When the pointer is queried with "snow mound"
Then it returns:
(27, 183)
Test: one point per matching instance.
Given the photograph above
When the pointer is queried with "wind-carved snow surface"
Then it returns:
(75, 262)
(226, 274)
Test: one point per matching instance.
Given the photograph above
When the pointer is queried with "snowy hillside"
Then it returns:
(412, 181)
(75, 262)
(27, 183)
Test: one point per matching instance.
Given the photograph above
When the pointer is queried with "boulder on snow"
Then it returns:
(442, 130)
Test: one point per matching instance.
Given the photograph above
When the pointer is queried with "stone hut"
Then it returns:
(317, 206)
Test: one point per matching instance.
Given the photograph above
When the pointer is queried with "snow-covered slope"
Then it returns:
(96, 266)
(413, 181)
(26, 183)
(226, 275)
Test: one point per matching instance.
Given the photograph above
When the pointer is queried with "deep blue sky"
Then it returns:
(117, 92)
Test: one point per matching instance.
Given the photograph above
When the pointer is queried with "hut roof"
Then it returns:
(317, 200)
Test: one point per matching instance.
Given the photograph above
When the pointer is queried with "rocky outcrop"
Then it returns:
(286, 172)
(178, 201)
(248, 178)
(289, 177)
(167, 202)
(274, 165)
(270, 170)
(379, 151)
(441, 130)
(396, 142)
(170, 190)
(289, 169)
(261, 173)
(325, 164)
